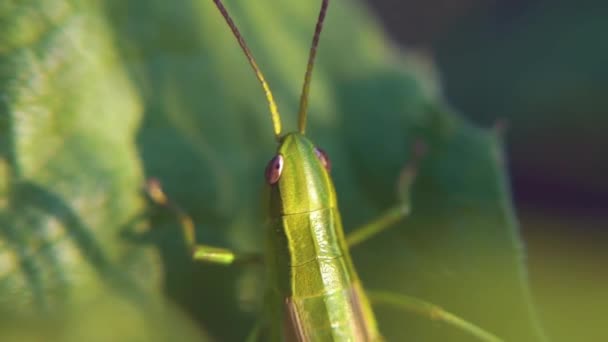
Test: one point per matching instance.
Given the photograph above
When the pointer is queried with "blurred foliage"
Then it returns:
(567, 273)
(541, 66)
(98, 96)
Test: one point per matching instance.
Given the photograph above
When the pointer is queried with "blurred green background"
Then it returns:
(539, 67)
(98, 96)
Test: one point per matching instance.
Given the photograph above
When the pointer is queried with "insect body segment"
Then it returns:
(305, 185)
(312, 270)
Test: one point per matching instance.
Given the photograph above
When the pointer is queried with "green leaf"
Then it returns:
(516, 70)
(71, 171)
(71, 175)
(98, 97)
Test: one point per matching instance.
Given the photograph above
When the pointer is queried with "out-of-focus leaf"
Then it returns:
(70, 167)
(72, 116)
(70, 176)
(543, 69)
(107, 317)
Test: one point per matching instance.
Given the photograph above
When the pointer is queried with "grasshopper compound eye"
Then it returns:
(274, 169)
(322, 155)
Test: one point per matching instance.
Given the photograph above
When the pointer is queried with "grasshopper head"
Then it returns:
(299, 177)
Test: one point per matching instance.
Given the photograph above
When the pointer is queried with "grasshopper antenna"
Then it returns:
(274, 111)
(311, 62)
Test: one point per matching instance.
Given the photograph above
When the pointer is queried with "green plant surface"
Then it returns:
(98, 96)
(542, 70)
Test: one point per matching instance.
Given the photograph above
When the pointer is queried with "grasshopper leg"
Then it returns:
(384, 221)
(397, 212)
(434, 312)
(203, 253)
(254, 334)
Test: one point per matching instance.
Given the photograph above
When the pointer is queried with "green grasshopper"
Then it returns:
(312, 284)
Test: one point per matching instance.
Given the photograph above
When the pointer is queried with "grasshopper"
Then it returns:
(313, 290)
